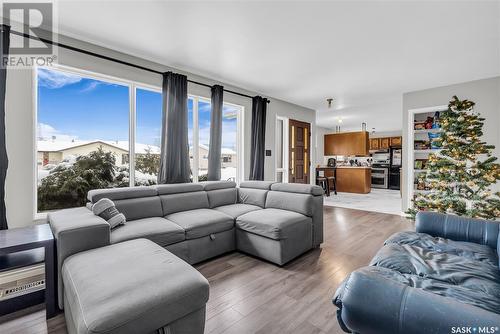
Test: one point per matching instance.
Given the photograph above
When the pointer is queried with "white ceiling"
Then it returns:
(365, 54)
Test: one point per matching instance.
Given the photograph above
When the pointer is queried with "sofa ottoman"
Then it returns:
(133, 287)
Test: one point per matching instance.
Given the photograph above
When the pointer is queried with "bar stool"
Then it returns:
(332, 180)
(323, 182)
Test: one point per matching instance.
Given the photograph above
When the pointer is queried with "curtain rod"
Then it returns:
(90, 53)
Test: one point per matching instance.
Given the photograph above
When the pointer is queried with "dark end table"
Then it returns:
(21, 247)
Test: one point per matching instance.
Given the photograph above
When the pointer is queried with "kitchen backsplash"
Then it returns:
(364, 161)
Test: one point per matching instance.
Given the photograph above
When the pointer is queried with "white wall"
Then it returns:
(386, 134)
(485, 93)
(320, 144)
(21, 121)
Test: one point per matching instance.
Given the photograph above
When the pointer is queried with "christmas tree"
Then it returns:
(461, 174)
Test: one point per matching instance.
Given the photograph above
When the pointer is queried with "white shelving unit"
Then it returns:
(419, 114)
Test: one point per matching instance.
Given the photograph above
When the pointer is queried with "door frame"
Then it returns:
(308, 164)
(285, 148)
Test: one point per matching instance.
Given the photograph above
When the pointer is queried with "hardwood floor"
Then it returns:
(248, 295)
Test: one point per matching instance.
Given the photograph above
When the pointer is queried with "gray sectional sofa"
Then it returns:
(197, 221)
(443, 278)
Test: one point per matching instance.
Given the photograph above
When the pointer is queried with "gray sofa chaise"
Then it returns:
(443, 278)
(197, 221)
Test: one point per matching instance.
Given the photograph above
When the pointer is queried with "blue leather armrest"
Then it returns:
(370, 302)
(480, 231)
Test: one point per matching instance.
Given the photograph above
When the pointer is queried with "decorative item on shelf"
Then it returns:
(418, 164)
(419, 125)
(436, 124)
(421, 184)
(435, 139)
(461, 174)
(422, 145)
(428, 122)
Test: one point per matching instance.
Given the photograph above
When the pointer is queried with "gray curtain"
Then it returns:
(4, 162)
(257, 149)
(174, 159)
(214, 150)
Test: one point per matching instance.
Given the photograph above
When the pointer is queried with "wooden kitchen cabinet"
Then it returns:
(374, 144)
(385, 143)
(354, 179)
(347, 143)
(396, 141)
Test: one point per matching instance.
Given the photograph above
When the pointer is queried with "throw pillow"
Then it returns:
(105, 208)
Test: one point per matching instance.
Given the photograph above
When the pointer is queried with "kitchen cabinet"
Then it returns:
(347, 143)
(385, 143)
(396, 141)
(374, 144)
(354, 179)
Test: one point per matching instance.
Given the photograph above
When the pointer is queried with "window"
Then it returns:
(82, 137)
(229, 148)
(148, 116)
(87, 128)
(204, 114)
(199, 114)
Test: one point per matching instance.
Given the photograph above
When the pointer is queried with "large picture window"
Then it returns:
(147, 136)
(87, 126)
(82, 137)
(199, 114)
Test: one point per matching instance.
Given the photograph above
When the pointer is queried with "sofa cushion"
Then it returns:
(298, 188)
(238, 209)
(442, 266)
(221, 197)
(177, 188)
(300, 203)
(273, 223)
(157, 229)
(202, 222)
(252, 196)
(469, 250)
(141, 207)
(130, 287)
(121, 193)
(214, 185)
(459, 293)
(265, 185)
(184, 201)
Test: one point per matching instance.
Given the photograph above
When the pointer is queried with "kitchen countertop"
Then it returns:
(360, 167)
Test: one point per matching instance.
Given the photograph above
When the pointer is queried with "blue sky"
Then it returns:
(73, 107)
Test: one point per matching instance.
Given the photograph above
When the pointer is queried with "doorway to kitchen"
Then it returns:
(299, 151)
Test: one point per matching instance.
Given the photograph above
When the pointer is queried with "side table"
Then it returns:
(20, 247)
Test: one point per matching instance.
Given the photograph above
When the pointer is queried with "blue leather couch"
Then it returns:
(443, 278)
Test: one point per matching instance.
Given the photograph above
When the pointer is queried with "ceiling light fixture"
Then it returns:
(329, 101)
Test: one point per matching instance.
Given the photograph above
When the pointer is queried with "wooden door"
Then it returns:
(396, 141)
(384, 143)
(299, 151)
(374, 144)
